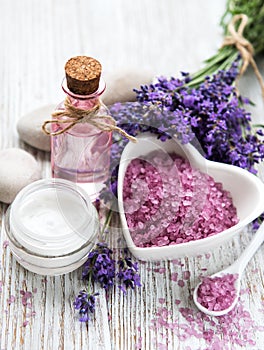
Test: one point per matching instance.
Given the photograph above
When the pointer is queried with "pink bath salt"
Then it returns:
(11, 300)
(31, 314)
(217, 293)
(174, 276)
(160, 270)
(234, 330)
(25, 323)
(26, 298)
(186, 275)
(181, 283)
(5, 244)
(171, 203)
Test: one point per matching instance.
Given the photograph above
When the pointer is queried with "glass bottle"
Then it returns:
(82, 153)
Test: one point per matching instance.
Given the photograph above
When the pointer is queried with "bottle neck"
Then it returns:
(84, 101)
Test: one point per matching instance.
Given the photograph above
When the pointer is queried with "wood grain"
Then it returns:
(37, 38)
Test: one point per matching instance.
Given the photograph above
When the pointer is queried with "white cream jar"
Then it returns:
(51, 226)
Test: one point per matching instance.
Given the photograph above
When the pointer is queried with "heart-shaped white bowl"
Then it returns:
(246, 189)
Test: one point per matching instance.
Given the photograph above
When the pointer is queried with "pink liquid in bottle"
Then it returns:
(82, 153)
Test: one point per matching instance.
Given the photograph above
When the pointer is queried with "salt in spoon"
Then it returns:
(236, 269)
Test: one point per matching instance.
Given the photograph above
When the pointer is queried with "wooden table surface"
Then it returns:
(166, 37)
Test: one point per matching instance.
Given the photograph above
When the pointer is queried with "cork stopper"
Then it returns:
(83, 75)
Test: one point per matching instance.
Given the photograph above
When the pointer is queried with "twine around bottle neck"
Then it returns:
(245, 48)
(72, 115)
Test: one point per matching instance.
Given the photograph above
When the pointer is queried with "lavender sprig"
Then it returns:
(85, 303)
(100, 268)
(128, 274)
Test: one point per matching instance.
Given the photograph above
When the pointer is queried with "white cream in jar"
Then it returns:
(51, 226)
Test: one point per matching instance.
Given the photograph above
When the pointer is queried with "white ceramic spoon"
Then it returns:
(237, 268)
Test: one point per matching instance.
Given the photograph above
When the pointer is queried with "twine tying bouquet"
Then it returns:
(243, 46)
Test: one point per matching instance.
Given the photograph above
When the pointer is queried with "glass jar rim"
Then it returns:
(19, 246)
(31, 242)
